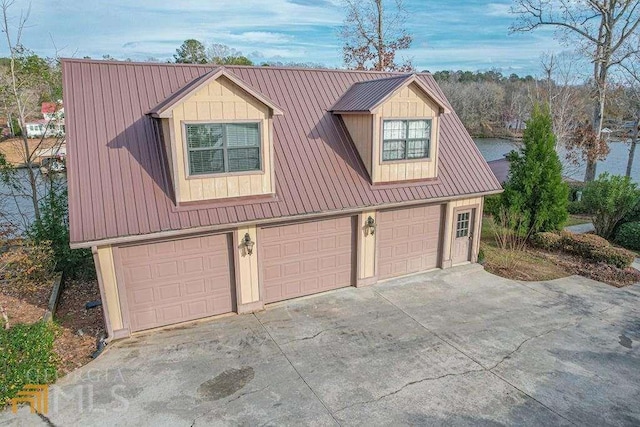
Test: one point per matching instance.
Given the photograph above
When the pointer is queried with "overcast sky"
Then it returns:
(448, 34)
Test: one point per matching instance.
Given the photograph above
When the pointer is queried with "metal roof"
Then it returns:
(368, 95)
(118, 177)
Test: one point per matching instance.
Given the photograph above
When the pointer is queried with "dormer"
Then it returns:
(217, 133)
(394, 123)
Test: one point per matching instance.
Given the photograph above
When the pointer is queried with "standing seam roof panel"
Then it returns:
(317, 166)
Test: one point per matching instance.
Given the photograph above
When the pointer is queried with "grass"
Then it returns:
(523, 265)
(26, 357)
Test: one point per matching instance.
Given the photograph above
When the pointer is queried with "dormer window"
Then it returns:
(406, 140)
(216, 148)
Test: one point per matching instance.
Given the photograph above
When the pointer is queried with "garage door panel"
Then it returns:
(409, 240)
(177, 281)
(305, 258)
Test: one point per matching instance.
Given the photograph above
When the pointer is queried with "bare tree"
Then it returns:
(23, 82)
(372, 35)
(632, 104)
(605, 31)
(562, 89)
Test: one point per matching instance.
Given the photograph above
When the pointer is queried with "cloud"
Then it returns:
(469, 34)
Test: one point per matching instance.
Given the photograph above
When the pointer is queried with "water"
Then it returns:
(18, 210)
(615, 163)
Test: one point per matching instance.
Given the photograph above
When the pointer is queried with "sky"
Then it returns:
(448, 34)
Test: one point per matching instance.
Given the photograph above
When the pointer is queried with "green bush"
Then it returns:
(628, 235)
(53, 226)
(610, 198)
(619, 257)
(481, 256)
(535, 188)
(26, 357)
(546, 240)
(582, 244)
(577, 208)
(492, 205)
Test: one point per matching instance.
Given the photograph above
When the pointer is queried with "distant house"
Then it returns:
(51, 124)
(204, 190)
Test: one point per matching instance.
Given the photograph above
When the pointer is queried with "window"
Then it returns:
(462, 225)
(223, 147)
(406, 139)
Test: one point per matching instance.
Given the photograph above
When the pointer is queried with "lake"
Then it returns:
(615, 163)
(20, 210)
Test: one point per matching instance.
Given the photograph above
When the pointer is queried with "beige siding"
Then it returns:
(166, 134)
(366, 248)
(220, 100)
(449, 230)
(360, 129)
(408, 103)
(108, 274)
(247, 267)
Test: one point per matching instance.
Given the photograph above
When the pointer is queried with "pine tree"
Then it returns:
(535, 188)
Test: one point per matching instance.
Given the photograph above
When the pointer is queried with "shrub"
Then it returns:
(610, 198)
(582, 244)
(28, 263)
(481, 256)
(546, 240)
(492, 204)
(535, 187)
(27, 357)
(619, 257)
(577, 208)
(628, 235)
(52, 226)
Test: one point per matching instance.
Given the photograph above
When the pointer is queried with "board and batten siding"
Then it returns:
(220, 101)
(360, 127)
(408, 103)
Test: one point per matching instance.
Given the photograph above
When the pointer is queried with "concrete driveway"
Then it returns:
(460, 347)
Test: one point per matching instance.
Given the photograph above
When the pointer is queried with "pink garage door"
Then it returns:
(408, 240)
(176, 281)
(306, 258)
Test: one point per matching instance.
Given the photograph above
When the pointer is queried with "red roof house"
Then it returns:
(206, 190)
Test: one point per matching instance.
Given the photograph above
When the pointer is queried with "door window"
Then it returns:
(462, 225)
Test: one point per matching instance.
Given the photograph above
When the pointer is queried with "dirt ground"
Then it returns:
(79, 328)
(14, 152)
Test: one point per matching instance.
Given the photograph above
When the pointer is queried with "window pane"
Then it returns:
(418, 149)
(419, 129)
(243, 159)
(204, 135)
(393, 150)
(243, 135)
(394, 129)
(206, 161)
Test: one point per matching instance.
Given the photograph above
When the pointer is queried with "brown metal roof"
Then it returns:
(177, 97)
(118, 180)
(366, 96)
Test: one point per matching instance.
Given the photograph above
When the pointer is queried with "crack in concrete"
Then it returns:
(309, 337)
(297, 372)
(384, 396)
(480, 364)
(530, 339)
(241, 395)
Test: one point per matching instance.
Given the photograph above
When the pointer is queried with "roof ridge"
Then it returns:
(210, 65)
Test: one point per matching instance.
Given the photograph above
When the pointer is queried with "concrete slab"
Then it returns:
(458, 346)
(581, 228)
